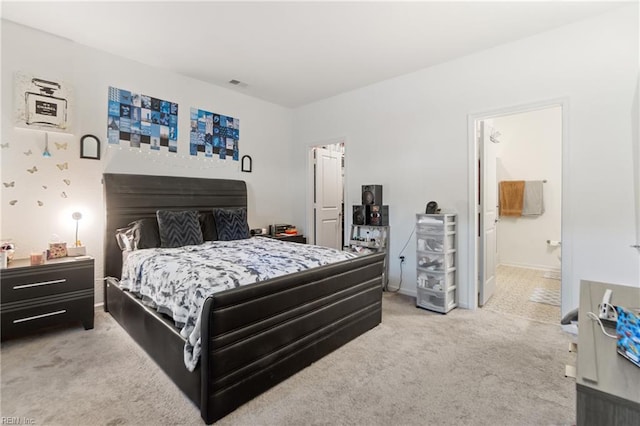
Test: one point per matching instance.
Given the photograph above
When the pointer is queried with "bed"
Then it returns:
(254, 336)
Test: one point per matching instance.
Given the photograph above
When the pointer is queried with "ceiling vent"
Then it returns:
(237, 83)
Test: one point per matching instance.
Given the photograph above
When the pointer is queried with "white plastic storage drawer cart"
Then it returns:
(436, 261)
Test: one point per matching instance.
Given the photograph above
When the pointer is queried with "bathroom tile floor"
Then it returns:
(514, 287)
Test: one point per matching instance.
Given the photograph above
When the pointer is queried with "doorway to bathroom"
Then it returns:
(519, 246)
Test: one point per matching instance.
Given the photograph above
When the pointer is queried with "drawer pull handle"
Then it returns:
(39, 316)
(18, 287)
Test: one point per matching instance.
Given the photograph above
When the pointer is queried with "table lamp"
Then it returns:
(78, 249)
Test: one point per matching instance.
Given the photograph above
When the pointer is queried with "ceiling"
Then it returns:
(295, 53)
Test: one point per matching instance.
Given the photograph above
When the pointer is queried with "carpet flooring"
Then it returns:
(416, 368)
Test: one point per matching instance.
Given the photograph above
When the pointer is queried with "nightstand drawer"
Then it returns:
(26, 317)
(43, 280)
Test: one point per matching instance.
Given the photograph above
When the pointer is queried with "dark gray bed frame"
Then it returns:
(253, 337)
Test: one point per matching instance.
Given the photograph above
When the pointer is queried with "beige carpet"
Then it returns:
(416, 368)
(514, 288)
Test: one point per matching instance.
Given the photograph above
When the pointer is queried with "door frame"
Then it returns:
(473, 207)
(310, 209)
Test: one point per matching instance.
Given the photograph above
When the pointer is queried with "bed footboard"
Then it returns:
(261, 334)
(156, 335)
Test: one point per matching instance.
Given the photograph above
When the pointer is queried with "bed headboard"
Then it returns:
(131, 197)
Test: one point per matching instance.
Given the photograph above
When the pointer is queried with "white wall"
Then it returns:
(410, 134)
(265, 134)
(530, 148)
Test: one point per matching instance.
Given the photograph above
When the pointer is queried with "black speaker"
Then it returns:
(377, 215)
(372, 194)
(359, 215)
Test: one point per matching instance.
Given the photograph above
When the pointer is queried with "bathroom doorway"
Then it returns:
(519, 257)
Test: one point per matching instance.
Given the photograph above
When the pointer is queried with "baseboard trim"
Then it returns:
(527, 266)
(408, 292)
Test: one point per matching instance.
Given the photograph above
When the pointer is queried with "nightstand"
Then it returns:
(293, 238)
(33, 297)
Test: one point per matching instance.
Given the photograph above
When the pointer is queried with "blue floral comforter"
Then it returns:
(176, 281)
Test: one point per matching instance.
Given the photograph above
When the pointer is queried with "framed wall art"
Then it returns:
(42, 103)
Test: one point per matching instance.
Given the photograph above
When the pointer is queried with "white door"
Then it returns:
(488, 214)
(328, 198)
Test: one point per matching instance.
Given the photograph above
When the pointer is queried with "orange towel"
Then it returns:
(511, 197)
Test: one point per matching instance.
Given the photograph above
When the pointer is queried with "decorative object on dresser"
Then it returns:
(436, 261)
(57, 250)
(33, 297)
(78, 249)
(9, 249)
(36, 258)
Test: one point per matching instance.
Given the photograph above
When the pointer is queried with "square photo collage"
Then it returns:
(140, 119)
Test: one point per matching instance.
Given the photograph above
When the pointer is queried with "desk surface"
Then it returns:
(599, 365)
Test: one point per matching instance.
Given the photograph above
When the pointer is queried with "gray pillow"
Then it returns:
(231, 224)
(179, 229)
(139, 234)
(208, 226)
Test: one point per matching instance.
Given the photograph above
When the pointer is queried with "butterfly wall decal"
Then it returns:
(67, 181)
(63, 166)
(40, 203)
(13, 202)
(64, 195)
(61, 145)
(28, 152)
(9, 184)
(44, 186)
(32, 170)
(4, 145)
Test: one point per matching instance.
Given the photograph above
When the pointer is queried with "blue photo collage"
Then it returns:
(140, 119)
(214, 134)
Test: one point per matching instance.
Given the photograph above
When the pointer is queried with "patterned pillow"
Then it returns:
(231, 224)
(179, 229)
